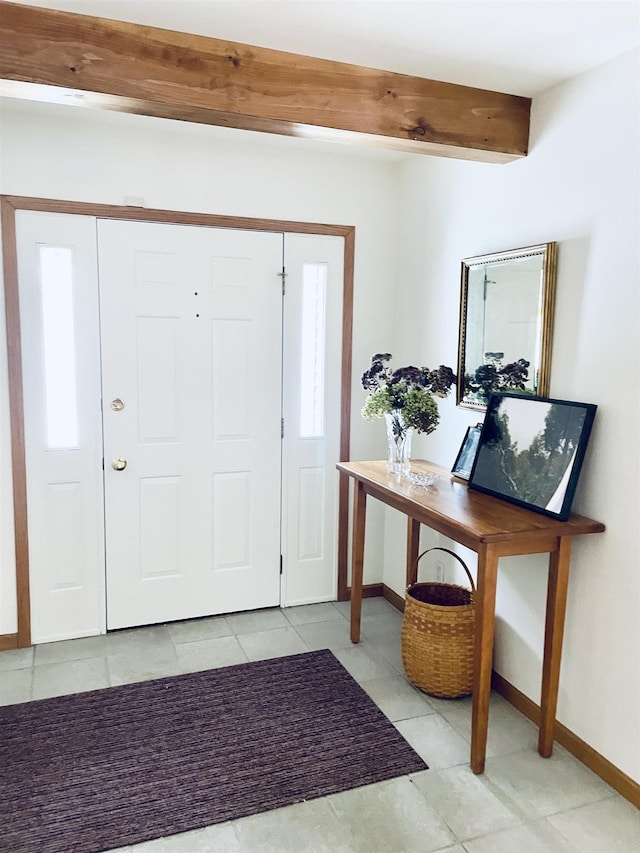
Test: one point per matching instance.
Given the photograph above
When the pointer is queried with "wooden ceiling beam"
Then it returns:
(61, 57)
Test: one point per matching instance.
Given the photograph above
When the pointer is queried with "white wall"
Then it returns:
(82, 155)
(579, 187)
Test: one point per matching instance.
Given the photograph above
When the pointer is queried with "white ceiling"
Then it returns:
(517, 46)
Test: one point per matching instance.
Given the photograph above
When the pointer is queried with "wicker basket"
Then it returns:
(437, 635)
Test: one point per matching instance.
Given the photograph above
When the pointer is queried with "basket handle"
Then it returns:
(452, 554)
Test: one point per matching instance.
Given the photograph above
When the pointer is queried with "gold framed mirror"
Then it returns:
(506, 323)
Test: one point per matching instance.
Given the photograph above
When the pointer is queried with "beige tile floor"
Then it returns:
(521, 804)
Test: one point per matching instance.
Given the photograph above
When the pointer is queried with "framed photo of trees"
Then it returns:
(531, 451)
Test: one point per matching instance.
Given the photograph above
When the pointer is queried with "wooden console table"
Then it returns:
(492, 528)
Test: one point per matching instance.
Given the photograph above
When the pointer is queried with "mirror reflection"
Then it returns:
(506, 310)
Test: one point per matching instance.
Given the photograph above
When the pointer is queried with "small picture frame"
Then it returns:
(467, 453)
(531, 451)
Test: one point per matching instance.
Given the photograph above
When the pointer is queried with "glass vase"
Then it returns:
(399, 437)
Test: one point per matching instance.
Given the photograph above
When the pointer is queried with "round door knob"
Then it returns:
(118, 464)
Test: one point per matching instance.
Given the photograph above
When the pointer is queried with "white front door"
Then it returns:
(191, 358)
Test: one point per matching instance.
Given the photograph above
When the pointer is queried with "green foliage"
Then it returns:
(420, 411)
(377, 404)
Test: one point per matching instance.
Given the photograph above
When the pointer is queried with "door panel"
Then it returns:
(192, 325)
(311, 403)
(63, 435)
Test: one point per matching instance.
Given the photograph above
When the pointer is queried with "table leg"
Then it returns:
(413, 546)
(553, 632)
(357, 558)
(483, 654)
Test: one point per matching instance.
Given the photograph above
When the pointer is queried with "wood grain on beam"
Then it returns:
(76, 59)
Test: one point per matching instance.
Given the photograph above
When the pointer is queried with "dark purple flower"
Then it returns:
(404, 379)
(411, 375)
(377, 374)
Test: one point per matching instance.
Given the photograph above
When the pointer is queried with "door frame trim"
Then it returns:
(8, 207)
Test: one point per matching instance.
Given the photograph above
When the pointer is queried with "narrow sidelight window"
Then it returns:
(58, 347)
(314, 286)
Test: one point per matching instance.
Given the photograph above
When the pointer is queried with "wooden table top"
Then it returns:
(465, 515)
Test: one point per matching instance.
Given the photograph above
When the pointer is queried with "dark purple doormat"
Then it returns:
(103, 769)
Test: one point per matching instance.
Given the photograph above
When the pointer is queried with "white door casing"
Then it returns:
(192, 328)
(63, 431)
